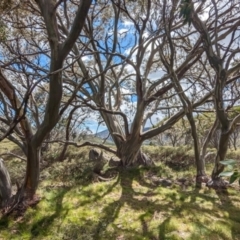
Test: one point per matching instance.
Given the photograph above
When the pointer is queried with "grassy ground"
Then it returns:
(132, 206)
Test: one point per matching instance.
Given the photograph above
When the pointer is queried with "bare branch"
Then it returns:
(104, 147)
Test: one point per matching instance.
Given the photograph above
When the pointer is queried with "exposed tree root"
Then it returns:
(18, 204)
(217, 184)
(144, 159)
(98, 178)
(202, 178)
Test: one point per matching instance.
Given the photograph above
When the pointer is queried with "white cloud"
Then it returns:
(86, 58)
(122, 32)
(129, 68)
(127, 23)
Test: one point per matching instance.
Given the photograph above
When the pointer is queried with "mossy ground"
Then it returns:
(131, 206)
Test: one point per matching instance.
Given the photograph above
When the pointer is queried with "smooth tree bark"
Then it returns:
(106, 91)
(59, 51)
(149, 54)
(169, 63)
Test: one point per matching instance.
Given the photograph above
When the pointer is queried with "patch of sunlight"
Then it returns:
(7, 145)
(223, 228)
(174, 228)
(129, 207)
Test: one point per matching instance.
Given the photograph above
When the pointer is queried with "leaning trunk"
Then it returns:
(200, 164)
(32, 172)
(62, 154)
(5, 185)
(143, 159)
(221, 153)
(216, 181)
(208, 138)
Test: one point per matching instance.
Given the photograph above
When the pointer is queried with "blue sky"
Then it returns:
(127, 41)
(93, 126)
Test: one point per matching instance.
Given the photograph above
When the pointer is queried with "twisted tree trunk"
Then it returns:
(221, 75)
(131, 154)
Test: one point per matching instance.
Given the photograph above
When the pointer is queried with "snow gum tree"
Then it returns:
(35, 52)
(143, 56)
(223, 57)
(129, 53)
(129, 61)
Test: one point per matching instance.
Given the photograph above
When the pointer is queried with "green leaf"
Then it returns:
(228, 162)
(230, 167)
(185, 11)
(234, 177)
(181, 12)
(226, 174)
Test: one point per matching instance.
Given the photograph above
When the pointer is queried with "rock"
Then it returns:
(166, 183)
(162, 182)
(181, 180)
(102, 160)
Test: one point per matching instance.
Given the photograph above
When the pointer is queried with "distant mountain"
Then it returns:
(105, 134)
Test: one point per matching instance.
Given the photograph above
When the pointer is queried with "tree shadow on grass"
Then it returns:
(41, 227)
(226, 204)
(233, 211)
(4, 222)
(43, 224)
(137, 199)
(135, 193)
(172, 206)
(133, 199)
